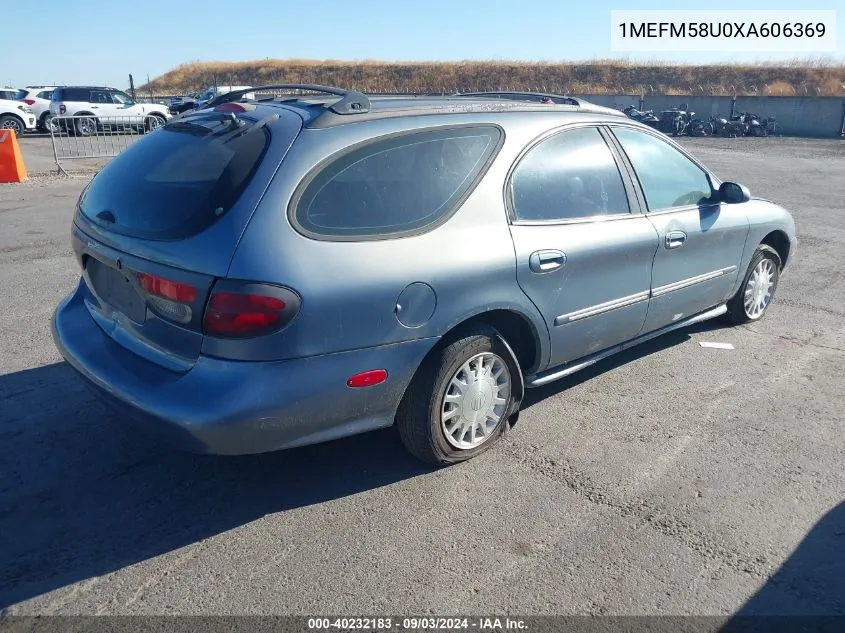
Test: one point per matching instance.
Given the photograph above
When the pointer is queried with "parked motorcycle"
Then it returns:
(700, 127)
(770, 125)
(675, 120)
(720, 125)
(643, 116)
(755, 126)
(738, 125)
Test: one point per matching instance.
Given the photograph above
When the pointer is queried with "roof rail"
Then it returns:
(521, 96)
(351, 102)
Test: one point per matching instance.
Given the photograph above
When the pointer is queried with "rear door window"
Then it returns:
(570, 175)
(396, 185)
(177, 181)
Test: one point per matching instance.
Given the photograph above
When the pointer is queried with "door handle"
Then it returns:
(675, 239)
(546, 261)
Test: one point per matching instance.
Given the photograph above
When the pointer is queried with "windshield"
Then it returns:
(122, 98)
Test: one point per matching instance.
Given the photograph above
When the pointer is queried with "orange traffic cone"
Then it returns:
(12, 168)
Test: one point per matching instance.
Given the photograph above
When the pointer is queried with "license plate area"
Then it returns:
(113, 288)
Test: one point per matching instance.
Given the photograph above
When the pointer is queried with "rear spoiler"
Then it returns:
(351, 101)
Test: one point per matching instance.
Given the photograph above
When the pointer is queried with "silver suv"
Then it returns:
(267, 274)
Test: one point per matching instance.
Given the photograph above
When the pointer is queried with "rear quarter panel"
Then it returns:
(349, 290)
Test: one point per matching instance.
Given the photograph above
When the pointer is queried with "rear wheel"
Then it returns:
(459, 402)
(44, 123)
(758, 287)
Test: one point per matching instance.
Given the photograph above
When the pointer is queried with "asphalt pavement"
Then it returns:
(672, 479)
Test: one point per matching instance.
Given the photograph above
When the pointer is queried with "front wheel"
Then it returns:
(153, 122)
(86, 126)
(460, 401)
(11, 122)
(758, 287)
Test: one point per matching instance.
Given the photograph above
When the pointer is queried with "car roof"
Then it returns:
(340, 107)
(85, 87)
(316, 115)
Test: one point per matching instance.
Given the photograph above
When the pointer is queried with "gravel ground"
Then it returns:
(672, 479)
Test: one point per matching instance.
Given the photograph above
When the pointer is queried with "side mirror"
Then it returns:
(733, 193)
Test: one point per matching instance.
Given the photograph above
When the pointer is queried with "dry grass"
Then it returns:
(812, 76)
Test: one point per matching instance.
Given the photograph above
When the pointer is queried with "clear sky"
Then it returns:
(102, 41)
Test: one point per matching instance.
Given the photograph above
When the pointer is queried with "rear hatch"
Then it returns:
(158, 226)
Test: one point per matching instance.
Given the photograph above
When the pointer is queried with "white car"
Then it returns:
(105, 107)
(38, 98)
(17, 116)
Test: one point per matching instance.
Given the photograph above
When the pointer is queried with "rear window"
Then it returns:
(72, 94)
(394, 186)
(177, 181)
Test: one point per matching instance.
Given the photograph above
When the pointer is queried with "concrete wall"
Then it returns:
(796, 116)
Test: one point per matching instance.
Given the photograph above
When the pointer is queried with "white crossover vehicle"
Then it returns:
(17, 116)
(38, 98)
(95, 108)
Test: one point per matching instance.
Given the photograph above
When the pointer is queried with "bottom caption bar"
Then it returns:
(376, 624)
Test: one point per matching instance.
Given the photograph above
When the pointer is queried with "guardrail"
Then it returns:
(91, 137)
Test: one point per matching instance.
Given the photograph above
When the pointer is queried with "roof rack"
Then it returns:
(351, 102)
(521, 96)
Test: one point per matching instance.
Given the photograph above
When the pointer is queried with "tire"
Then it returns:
(43, 125)
(11, 122)
(86, 126)
(424, 419)
(765, 261)
(153, 121)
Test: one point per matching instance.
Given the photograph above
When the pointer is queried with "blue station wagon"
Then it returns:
(278, 271)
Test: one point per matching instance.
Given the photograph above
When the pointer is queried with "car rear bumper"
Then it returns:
(231, 407)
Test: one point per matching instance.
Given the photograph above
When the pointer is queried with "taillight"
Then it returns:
(168, 298)
(173, 290)
(29, 101)
(255, 310)
(62, 109)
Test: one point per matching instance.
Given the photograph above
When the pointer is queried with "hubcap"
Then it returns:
(475, 401)
(154, 123)
(758, 290)
(13, 125)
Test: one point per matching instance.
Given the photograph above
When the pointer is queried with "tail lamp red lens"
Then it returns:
(367, 378)
(29, 101)
(243, 314)
(161, 287)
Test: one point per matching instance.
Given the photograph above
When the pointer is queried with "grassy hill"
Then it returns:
(804, 77)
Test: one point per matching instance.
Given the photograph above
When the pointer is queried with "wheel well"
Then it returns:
(11, 115)
(780, 242)
(515, 329)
